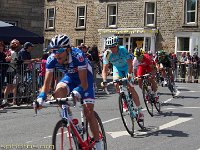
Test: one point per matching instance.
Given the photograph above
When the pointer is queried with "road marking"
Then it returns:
(117, 134)
(164, 126)
(173, 123)
(168, 100)
(111, 120)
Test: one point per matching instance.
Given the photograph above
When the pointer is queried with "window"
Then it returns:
(81, 16)
(183, 45)
(190, 11)
(79, 41)
(111, 15)
(150, 15)
(50, 21)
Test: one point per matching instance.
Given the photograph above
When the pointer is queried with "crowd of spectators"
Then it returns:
(16, 63)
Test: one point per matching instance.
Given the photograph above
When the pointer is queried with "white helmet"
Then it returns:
(112, 41)
(59, 41)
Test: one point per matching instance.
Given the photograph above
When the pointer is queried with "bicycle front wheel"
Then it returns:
(127, 120)
(102, 134)
(62, 139)
(147, 100)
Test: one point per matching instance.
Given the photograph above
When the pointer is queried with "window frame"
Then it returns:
(78, 17)
(145, 13)
(78, 40)
(52, 18)
(185, 14)
(108, 15)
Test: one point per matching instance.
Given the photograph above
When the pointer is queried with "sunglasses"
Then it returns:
(59, 51)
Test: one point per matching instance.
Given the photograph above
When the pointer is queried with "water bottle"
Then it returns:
(77, 126)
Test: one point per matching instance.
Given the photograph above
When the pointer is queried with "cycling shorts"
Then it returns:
(72, 83)
(120, 72)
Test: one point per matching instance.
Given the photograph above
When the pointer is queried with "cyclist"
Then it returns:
(119, 57)
(145, 65)
(77, 79)
(163, 60)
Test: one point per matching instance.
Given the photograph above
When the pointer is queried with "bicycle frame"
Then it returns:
(85, 144)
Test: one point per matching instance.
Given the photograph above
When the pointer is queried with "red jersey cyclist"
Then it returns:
(145, 65)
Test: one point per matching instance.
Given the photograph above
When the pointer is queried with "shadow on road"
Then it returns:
(171, 104)
(167, 132)
(165, 114)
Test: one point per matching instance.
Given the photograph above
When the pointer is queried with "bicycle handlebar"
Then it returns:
(69, 101)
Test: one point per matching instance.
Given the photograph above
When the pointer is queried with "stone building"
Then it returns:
(27, 14)
(172, 25)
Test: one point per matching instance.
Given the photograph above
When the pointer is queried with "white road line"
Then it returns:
(168, 100)
(167, 125)
(173, 123)
(111, 120)
(164, 126)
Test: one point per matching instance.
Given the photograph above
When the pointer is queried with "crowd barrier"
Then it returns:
(22, 82)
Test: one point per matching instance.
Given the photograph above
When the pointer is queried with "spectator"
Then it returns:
(189, 67)
(11, 73)
(42, 69)
(2, 67)
(93, 51)
(174, 66)
(196, 67)
(183, 66)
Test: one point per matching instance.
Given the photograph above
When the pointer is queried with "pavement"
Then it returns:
(175, 128)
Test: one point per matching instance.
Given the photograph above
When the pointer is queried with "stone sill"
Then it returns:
(190, 25)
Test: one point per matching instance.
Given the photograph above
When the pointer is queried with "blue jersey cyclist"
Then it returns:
(77, 78)
(122, 67)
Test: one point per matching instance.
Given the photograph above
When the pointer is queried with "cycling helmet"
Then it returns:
(138, 52)
(112, 41)
(161, 52)
(59, 41)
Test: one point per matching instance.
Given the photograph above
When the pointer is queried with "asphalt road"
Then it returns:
(175, 128)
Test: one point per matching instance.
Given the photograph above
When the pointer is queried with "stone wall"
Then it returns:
(169, 19)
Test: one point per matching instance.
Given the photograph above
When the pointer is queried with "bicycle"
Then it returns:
(77, 135)
(131, 115)
(148, 96)
(170, 86)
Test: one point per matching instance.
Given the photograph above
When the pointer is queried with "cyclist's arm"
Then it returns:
(106, 58)
(83, 78)
(105, 71)
(47, 81)
(130, 66)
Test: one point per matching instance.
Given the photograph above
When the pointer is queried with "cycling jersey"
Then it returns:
(119, 61)
(145, 65)
(77, 61)
(164, 60)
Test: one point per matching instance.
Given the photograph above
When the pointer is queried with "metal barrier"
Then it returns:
(183, 73)
(21, 83)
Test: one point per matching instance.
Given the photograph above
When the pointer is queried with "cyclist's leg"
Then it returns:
(124, 73)
(116, 76)
(88, 109)
(63, 88)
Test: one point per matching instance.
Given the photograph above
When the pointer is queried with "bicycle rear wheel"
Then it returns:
(127, 120)
(102, 134)
(61, 137)
(147, 100)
